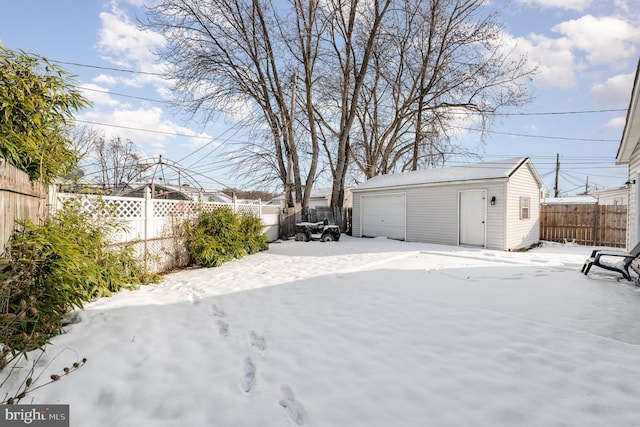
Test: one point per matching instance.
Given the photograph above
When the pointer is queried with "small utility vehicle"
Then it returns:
(322, 231)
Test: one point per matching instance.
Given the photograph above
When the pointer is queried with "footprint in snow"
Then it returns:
(177, 285)
(216, 311)
(194, 298)
(218, 314)
(248, 375)
(257, 341)
(223, 328)
(292, 408)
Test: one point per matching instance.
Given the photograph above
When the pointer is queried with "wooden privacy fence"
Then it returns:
(290, 216)
(20, 199)
(592, 224)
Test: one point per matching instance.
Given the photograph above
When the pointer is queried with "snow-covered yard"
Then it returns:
(363, 332)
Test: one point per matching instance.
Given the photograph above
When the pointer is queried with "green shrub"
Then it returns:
(54, 268)
(219, 236)
(251, 230)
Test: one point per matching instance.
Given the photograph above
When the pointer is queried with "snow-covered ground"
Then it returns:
(363, 332)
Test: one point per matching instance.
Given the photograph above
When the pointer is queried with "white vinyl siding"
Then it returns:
(356, 224)
(522, 232)
(632, 210)
(432, 210)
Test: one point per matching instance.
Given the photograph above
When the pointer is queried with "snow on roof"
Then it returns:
(321, 193)
(574, 200)
(316, 193)
(486, 170)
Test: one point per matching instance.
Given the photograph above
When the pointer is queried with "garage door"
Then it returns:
(384, 216)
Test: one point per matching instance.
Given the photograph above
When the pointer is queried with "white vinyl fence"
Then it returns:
(152, 225)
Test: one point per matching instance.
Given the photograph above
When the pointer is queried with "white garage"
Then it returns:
(493, 205)
(385, 215)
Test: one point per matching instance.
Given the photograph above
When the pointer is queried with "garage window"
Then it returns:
(525, 207)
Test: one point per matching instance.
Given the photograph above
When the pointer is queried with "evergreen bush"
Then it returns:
(218, 236)
(54, 268)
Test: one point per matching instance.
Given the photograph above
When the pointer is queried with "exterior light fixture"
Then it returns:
(493, 200)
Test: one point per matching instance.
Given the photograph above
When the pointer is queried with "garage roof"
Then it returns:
(498, 169)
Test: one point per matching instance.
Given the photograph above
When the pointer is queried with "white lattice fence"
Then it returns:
(127, 212)
(153, 223)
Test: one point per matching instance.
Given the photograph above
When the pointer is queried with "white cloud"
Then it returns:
(580, 45)
(239, 109)
(563, 4)
(614, 125)
(615, 91)
(605, 40)
(122, 43)
(553, 58)
(98, 95)
(105, 79)
(627, 7)
(141, 3)
(133, 124)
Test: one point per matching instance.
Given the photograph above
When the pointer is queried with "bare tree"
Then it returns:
(374, 82)
(435, 62)
(116, 162)
(109, 163)
(306, 48)
(223, 51)
(83, 141)
(354, 26)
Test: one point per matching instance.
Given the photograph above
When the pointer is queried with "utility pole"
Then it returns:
(586, 186)
(556, 190)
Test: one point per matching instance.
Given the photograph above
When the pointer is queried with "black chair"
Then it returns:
(618, 261)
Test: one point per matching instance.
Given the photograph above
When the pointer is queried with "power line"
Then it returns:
(127, 96)
(121, 70)
(533, 113)
(536, 136)
(558, 113)
(543, 113)
(144, 130)
(241, 142)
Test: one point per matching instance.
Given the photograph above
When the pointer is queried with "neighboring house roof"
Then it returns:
(216, 196)
(321, 193)
(316, 193)
(610, 191)
(575, 200)
(499, 169)
(161, 191)
(631, 132)
(176, 192)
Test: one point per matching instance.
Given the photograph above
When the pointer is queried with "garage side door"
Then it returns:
(384, 215)
(473, 208)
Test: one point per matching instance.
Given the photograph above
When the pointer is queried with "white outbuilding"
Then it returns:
(493, 205)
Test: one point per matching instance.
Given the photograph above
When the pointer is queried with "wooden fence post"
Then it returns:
(596, 217)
